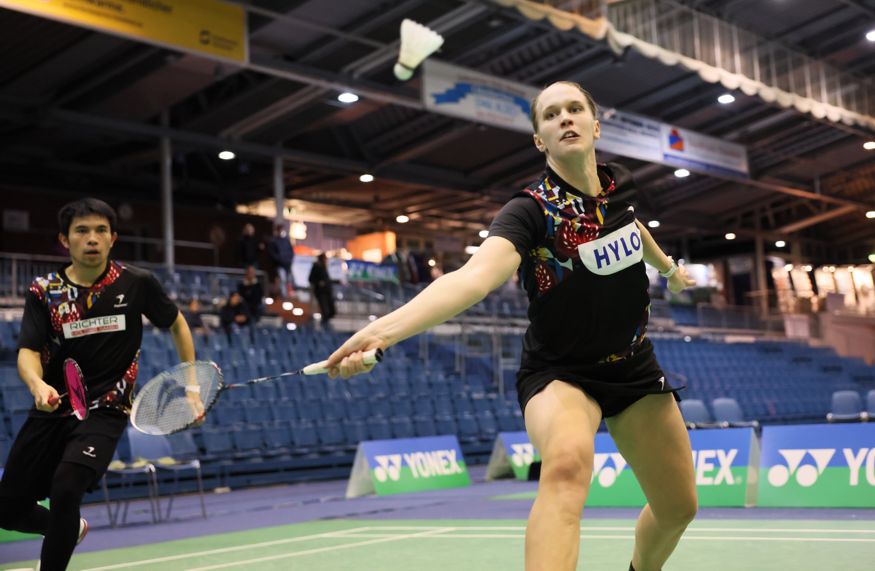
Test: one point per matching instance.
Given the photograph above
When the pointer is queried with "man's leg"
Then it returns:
(652, 438)
(70, 483)
(561, 421)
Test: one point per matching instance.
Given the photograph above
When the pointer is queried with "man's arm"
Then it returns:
(30, 368)
(182, 339)
(654, 256)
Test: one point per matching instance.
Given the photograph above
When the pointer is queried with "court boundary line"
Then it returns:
(324, 549)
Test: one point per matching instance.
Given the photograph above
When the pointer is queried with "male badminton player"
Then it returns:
(89, 310)
(586, 354)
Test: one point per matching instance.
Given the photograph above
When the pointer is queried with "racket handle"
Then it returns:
(54, 400)
(368, 358)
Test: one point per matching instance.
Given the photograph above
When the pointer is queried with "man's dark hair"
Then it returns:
(85, 207)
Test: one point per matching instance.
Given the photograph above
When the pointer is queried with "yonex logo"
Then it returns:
(806, 475)
(389, 467)
(703, 461)
(607, 475)
(523, 454)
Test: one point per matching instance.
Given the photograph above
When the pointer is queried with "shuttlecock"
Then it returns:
(417, 43)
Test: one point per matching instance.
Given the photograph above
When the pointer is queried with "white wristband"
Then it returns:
(193, 389)
(670, 272)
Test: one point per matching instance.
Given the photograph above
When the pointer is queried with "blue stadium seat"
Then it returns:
(727, 413)
(378, 428)
(304, 436)
(355, 431)
(446, 424)
(330, 436)
(870, 404)
(402, 427)
(847, 406)
(468, 429)
(695, 413)
(488, 425)
(425, 426)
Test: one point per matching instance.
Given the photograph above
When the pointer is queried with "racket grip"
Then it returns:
(54, 400)
(371, 357)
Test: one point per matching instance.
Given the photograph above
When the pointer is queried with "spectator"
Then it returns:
(250, 246)
(252, 293)
(235, 315)
(282, 255)
(193, 317)
(320, 282)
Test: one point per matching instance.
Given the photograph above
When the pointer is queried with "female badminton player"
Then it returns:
(586, 356)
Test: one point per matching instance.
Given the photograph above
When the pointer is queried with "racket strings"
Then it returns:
(170, 402)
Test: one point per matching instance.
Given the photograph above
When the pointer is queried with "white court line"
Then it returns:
(626, 528)
(631, 537)
(329, 534)
(247, 562)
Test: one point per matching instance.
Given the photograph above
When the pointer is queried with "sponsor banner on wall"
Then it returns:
(362, 271)
(481, 98)
(725, 463)
(207, 27)
(407, 465)
(511, 455)
(818, 465)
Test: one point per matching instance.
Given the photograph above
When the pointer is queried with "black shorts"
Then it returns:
(614, 385)
(44, 442)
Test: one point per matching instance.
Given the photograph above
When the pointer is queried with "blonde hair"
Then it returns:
(589, 101)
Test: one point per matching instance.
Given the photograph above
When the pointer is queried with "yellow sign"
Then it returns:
(209, 27)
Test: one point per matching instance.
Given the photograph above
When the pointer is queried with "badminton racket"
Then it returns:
(77, 393)
(180, 397)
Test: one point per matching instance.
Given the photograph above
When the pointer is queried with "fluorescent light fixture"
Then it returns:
(287, 305)
(682, 173)
(726, 99)
(471, 249)
(780, 244)
(870, 214)
(367, 178)
(227, 155)
(729, 235)
(347, 97)
(653, 224)
(869, 145)
(483, 233)
(402, 219)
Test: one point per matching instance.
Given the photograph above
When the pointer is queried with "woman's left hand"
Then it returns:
(680, 280)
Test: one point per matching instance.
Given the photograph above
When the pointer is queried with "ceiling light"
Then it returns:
(653, 224)
(432, 263)
(402, 219)
(872, 258)
(366, 178)
(347, 97)
(298, 311)
(780, 244)
(729, 235)
(725, 99)
(682, 173)
(869, 145)
(483, 233)
(871, 36)
(291, 326)
(806, 268)
(268, 301)
(870, 214)
(226, 155)
(788, 267)
(287, 305)
(471, 249)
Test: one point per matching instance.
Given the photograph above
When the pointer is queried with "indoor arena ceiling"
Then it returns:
(82, 112)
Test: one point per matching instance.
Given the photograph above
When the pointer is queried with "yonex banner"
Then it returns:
(205, 27)
(512, 454)
(725, 462)
(407, 465)
(818, 466)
